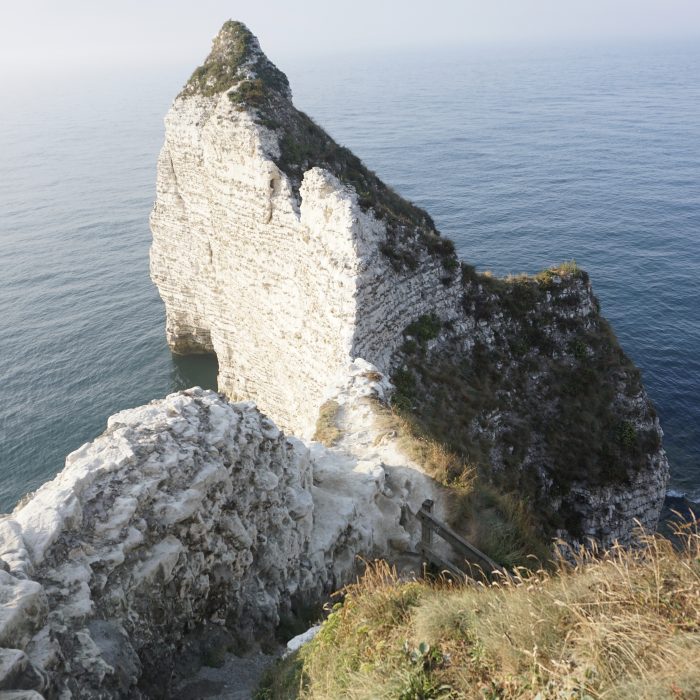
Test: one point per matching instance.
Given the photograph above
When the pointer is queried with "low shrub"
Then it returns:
(327, 430)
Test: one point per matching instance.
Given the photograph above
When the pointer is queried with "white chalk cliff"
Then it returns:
(190, 524)
(279, 251)
(287, 289)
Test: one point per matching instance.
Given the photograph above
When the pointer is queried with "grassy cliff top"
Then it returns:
(624, 625)
(235, 56)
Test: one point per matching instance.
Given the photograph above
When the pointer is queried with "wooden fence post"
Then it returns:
(426, 533)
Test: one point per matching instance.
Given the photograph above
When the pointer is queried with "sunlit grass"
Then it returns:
(623, 624)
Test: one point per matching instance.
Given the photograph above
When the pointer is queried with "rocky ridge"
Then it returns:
(191, 526)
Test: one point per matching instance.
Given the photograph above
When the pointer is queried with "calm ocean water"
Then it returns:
(524, 158)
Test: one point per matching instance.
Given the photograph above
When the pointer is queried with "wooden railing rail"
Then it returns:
(431, 526)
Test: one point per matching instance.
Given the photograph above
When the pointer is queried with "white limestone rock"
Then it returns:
(189, 519)
(286, 292)
(297, 642)
(155, 528)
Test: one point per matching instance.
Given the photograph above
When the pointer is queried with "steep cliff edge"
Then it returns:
(282, 253)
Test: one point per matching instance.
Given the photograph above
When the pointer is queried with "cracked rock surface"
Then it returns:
(187, 513)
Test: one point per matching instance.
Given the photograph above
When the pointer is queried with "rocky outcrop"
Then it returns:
(185, 513)
(549, 407)
(279, 251)
(282, 277)
(189, 526)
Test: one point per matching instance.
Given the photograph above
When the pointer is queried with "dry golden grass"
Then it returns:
(497, 524)
(436, 459)
(624, 624)
(327, 431)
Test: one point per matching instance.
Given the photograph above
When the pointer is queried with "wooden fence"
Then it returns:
(473, 564)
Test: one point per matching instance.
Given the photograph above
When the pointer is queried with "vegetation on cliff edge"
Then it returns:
(499, 524)
(235, 55)
(543, 393)
(622, 625)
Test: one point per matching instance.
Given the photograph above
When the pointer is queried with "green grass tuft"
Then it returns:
(425, 328)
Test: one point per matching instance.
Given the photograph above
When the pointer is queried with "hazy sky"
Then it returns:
(54, 34)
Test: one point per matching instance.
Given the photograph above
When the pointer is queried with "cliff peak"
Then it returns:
(238, 68)
(236, 61)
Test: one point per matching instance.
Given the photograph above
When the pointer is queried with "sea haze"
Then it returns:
(524, 158)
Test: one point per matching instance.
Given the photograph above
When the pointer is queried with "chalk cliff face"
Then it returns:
(190, 526)
(282, 276)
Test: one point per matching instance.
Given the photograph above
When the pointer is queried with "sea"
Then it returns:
(525, 157)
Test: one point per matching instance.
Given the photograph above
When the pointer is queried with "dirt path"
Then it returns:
(237, 679)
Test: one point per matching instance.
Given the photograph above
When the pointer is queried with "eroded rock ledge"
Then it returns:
(190, 523)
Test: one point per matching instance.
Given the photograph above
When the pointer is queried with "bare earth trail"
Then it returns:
(237, 679)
